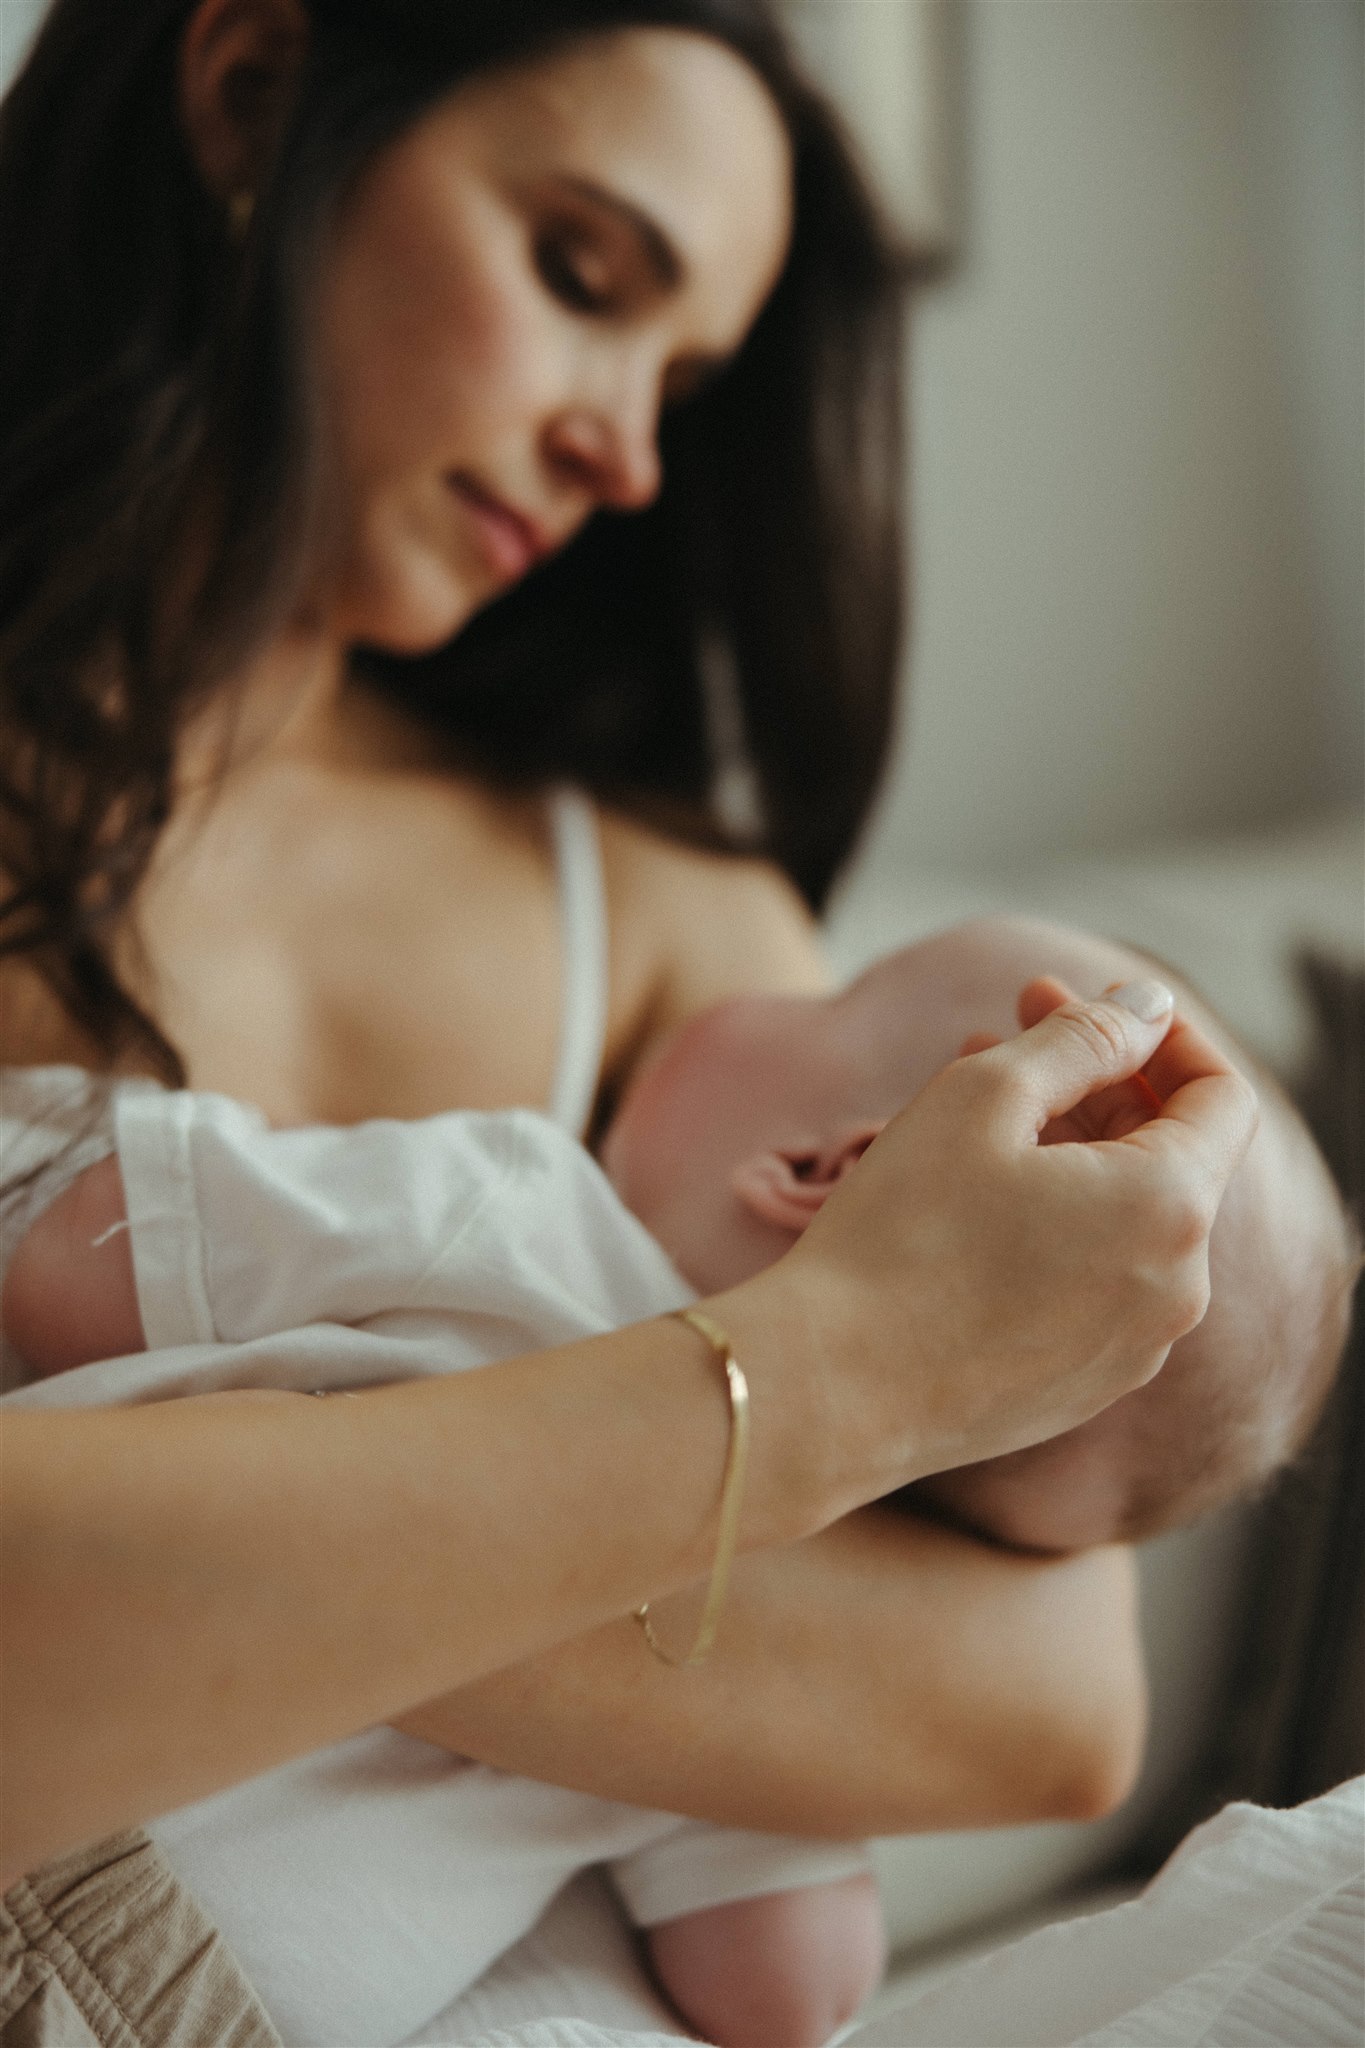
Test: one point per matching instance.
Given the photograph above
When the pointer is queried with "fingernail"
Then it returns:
(1146, 999)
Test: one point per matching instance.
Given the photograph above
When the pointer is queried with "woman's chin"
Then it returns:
(410, 614)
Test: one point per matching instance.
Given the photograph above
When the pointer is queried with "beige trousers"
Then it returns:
(105, 1948)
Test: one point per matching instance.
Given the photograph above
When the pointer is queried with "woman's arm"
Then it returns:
(901, 1630)
(885, 1676)
(195, 1591)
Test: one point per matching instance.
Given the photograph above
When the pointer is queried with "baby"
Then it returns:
(732, 1138)
(724, 1147)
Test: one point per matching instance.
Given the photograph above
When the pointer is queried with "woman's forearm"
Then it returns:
(195, 1590)
(885, 1676)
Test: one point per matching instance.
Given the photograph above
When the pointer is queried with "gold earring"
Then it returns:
(240, 208)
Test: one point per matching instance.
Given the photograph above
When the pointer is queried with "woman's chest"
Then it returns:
(345, 960)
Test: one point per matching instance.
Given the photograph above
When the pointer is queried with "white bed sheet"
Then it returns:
(1252, 1936)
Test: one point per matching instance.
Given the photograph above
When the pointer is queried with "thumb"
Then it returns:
(1081, 1047)
(1040, 997)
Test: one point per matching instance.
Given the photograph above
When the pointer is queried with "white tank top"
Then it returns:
(583, 939)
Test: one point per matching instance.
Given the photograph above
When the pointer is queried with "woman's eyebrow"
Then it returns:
(664, 260)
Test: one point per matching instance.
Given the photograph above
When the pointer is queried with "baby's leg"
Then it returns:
(785, 1970)
(69, 1295)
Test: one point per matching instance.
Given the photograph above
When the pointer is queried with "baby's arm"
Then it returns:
(784, 1970)
(69, 1295)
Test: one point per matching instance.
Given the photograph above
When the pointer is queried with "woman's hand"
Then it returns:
(969, 1290)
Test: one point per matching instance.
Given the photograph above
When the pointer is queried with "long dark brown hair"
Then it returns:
(154, 374)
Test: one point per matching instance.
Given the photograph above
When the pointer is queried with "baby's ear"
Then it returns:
(787, 1187)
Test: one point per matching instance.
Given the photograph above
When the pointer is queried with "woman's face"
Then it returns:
(520, 284)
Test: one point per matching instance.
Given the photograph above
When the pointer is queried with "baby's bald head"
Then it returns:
(733, 1137)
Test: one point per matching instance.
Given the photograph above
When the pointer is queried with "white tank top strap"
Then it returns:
(583, 930)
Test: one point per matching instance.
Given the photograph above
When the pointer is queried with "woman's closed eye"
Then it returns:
(579, 274)
(586, 279)
(600, 253)
(605, 259)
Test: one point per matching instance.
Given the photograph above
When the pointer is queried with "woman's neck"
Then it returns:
(299, 702)
(285, 694)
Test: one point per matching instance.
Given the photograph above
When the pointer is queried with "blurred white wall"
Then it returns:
(18, 19)
(1137, 433)
(891, 63)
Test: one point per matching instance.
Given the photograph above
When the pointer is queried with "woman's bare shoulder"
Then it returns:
(690, 927)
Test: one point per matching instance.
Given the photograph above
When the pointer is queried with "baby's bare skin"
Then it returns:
(785, 1970)
(69, 1295)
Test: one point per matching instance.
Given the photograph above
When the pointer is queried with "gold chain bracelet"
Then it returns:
(731, 1494)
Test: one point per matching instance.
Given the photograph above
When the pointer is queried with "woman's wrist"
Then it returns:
(803, 1471)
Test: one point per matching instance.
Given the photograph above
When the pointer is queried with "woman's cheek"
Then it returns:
(407, 581)
(443, 350)
(506, 370)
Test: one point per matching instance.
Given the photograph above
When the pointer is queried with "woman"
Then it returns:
(337, 346)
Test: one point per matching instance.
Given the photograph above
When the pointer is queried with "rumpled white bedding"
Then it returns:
(1252, 1936)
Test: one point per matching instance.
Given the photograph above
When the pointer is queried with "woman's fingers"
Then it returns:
(1210, 1120)
(1184, 1055)
(1104, 1118)
(1157, 1081)
(1024, 1287)
(1208, 1111)
(1040, 997)
(1110, 1113)
(1073, 1052)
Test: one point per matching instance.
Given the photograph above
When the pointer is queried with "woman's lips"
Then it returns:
(510, 542)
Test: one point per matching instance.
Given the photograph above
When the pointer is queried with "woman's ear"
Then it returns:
(238, 72)
(788, 1187)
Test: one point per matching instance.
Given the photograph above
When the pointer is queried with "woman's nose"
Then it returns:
(614, 452)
